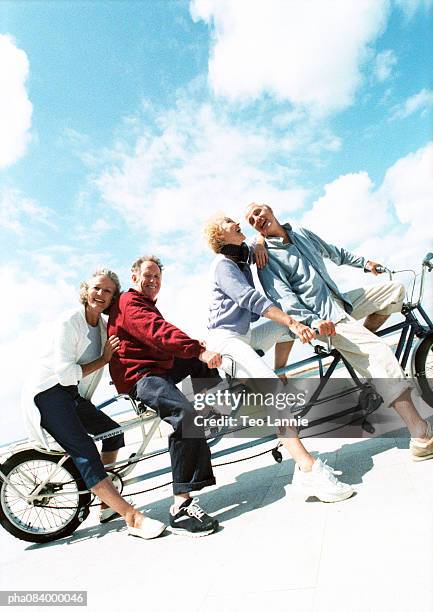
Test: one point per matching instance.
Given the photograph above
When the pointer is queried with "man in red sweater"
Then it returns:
(153, 356)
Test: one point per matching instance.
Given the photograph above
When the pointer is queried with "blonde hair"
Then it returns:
(84, 286)
(212, 232)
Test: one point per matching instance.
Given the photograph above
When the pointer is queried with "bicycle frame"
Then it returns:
(139, 421)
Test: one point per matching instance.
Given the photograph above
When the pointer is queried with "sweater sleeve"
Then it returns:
(149, 327)
(338, 255)
(65, 347)
(234, 284)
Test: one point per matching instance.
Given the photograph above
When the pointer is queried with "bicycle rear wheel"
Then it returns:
(59, 509)
(423, 362)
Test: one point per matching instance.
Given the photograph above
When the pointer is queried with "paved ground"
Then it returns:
(274, 551)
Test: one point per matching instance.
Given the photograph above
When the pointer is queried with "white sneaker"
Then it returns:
(321, 483)
(149, 529)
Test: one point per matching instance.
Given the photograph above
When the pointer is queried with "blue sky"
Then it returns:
(126, 124)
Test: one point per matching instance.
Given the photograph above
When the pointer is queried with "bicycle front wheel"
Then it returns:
(423, 362)
(59, 508)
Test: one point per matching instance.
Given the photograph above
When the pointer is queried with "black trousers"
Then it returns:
(189, 453)
(68, 417)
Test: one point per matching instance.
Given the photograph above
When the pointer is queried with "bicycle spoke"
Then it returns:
(50, 511)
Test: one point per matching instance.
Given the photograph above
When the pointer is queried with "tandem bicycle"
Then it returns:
(42, 495)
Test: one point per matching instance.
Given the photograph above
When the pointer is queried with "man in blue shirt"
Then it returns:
(296, 279)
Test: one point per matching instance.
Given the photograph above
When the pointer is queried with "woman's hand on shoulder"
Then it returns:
(110, 347)
(261, 252)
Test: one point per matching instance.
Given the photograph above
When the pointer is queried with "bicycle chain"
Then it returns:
(166, 484)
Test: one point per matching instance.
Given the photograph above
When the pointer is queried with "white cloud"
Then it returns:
(15, 106)
(310, 53)
(408, 185)
(390, 223)
(422, 101)
(95, 232)
(188, 288)
(17, 211)
(352, 210)
(59, 261)
(37, 290)
(29, 305)
(32, 299)
(198, 162)
(345, 213)
(384, 63)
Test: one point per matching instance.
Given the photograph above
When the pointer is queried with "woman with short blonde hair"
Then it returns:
(235, 305)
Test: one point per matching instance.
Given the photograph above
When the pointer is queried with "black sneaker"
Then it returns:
(192, 521)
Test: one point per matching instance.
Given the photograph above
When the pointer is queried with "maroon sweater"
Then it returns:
(148, 343)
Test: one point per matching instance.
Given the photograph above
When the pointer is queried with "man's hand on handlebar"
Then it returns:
(211, 359)
(374, 267)
(304, 333)
(325, 328)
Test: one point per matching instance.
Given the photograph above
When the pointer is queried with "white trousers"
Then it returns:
(369, 355)
(241, 349)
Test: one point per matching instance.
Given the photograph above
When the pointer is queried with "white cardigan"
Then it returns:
(59, 364)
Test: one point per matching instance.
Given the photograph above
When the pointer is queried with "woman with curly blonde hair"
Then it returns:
(235, 305)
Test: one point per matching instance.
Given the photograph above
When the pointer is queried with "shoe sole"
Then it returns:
(305, 494)
(150, 537)
(422, 457)
(330, 500)
(192, 534)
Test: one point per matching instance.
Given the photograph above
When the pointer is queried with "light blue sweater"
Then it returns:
(235, 303)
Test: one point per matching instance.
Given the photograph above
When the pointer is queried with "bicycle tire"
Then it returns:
(51, 518)
(424, 369)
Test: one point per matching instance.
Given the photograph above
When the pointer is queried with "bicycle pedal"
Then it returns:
(368, 427)
(320, 350)
(277, 455)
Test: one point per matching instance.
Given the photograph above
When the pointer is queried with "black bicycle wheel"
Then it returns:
(424, 369)
(59, 509)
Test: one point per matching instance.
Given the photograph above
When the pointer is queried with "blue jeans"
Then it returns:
(69, 418)
(190, 456)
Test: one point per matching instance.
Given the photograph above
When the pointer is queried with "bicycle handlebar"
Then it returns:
(427, 265)
(427, 261)
(379, 269)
